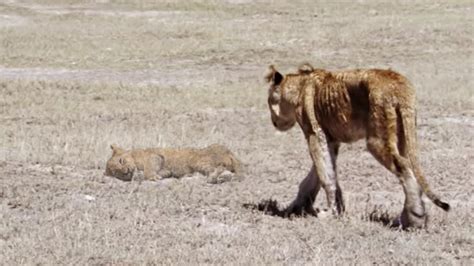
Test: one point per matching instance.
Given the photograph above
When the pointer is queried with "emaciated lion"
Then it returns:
(334, 107)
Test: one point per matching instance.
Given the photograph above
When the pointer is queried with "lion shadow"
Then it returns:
(305, 209)
(272, 208)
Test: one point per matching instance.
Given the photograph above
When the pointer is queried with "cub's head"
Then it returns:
(284, 95)
(121, 165)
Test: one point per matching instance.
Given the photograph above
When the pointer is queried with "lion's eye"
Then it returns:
(121, 161)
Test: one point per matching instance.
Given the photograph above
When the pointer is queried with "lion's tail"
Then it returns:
(408, 119)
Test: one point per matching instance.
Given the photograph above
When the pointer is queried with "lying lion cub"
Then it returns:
(157, 163)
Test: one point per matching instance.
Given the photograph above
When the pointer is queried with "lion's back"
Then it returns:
(188, 160)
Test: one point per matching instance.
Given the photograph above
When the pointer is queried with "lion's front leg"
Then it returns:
(152, 166)
(307, 192)
(217, 175)
(325, 170)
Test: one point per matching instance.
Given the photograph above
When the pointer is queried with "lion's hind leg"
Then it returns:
(383, 144)
(334, 151)
(408, 149)
(220, 174)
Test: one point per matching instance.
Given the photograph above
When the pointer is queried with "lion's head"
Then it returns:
(284, 94)
(121, 165)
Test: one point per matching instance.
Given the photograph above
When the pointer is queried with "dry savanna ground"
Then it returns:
(77, 76)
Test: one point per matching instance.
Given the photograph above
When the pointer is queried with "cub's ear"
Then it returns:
(158, 160)
(274, 76)
(116, 149)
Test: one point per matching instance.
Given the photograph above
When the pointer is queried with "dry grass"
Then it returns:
(76, 77)
(73, 123)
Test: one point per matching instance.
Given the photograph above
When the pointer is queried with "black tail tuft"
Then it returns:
(443, 205)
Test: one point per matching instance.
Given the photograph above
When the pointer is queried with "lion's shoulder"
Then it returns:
(143, 155)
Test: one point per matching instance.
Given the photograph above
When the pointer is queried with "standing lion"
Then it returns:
(345, 106)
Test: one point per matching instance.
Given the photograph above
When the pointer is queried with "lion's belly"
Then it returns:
(345, 132)
(344, 127)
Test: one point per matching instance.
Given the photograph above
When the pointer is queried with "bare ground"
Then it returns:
(75, 78)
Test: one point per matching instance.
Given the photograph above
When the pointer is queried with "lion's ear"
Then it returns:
(274, 76)
(159, 160)
(116, 149)
(305, 68)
